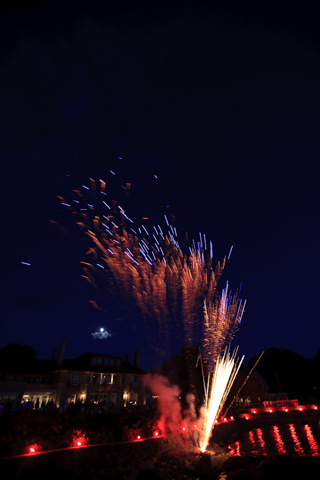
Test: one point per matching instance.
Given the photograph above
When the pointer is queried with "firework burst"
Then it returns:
(145, 264)
(221, 320)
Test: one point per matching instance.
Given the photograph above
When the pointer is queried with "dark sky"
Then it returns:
(220, 102)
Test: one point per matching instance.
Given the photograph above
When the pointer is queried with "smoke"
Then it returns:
(168, 402)
(172, 418)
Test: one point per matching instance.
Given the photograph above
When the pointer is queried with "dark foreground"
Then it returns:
(117, 457)
(163, 458)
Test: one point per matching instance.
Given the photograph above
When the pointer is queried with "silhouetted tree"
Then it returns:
(315, 376)
(15, 355)
(185, 371)
(252, 388)
(285, 371)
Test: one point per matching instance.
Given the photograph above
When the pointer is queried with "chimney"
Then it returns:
(127, 357)
(137, 358)
(55, 354)
(63, 347)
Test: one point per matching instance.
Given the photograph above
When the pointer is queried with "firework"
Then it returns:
(222, 318)
(145, 264)
(218, 388)
(174, 289)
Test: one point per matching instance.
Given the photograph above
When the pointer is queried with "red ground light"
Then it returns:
(33, 449)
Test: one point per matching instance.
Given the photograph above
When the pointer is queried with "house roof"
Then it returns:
(84, 362)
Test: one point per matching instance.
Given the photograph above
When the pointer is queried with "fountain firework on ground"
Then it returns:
(173, 419)
(144, 263)
(218, 388)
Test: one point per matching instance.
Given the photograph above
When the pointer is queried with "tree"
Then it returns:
(15, 355)
(185, 371)
(246, 387)
(286, 372)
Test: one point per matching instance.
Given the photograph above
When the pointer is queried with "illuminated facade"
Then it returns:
(99, 378)
(95, 378)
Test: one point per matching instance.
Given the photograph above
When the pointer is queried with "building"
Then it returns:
(91, 377)
(31, 382)
(100, 378)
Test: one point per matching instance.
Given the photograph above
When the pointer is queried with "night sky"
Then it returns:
(221, 103)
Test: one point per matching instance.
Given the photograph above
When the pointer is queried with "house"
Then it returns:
(100, 378)
(92, 377)
(28, 382)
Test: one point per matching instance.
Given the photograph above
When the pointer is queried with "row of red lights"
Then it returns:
(33, 449)
(77, 444)
(270, 410)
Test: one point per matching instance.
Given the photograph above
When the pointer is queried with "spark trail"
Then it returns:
(218, 388)
(222, 318)
(175, 288)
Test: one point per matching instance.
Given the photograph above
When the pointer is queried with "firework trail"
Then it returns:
(145, 264)
(218, 388)
(222, 318)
